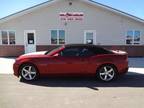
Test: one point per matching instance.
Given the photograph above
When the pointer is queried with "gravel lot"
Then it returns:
(126, 92)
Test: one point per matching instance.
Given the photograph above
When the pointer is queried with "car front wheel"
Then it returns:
(28, 72)
(107, 73)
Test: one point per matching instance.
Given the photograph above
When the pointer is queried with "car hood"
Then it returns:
(35, 53)
(32, 55)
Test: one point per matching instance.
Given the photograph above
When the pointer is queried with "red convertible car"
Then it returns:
(72, 60)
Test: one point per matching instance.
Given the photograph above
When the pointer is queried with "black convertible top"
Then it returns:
(94, 48)
(82, 45)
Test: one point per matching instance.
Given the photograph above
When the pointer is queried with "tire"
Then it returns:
(28, 72)
(107, 73)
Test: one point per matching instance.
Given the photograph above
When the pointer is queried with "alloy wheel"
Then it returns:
(107, 73)
(28, 72)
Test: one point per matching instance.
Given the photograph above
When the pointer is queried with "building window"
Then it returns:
(137, 37)
(89, 38)
(61, 37)
(133, 37)
(54, 37)
(4, 37)
(11, 37)
(8, 37)
(57, 37)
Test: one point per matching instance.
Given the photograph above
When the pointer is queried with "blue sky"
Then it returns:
(134, 7)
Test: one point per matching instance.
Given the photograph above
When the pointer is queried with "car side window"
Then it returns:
(86, 52)
(69, 52)
(101, 51)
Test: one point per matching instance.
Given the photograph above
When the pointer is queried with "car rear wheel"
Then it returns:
(28, 72)
(107, 73)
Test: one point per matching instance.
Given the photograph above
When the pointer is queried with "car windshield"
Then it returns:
(49, 52)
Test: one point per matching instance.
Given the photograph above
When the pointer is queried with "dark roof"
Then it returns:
(89, 46)
(81, 45)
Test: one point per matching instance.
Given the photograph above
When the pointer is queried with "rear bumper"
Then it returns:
(123, 67)
(124, 71)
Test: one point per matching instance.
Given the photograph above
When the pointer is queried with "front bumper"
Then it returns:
(16, 69)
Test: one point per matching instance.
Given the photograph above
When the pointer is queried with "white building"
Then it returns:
(59, 22)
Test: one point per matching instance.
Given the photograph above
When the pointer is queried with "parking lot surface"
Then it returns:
(125, 92)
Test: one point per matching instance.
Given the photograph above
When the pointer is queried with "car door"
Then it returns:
(90, 60)
(68, 62)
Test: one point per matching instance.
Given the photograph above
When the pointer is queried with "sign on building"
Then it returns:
(71, 16)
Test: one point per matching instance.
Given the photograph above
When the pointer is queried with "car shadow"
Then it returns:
(129, 80)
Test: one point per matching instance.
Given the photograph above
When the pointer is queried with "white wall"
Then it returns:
(110, 27)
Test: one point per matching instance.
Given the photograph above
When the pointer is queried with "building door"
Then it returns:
(30, 41)
(90, 37)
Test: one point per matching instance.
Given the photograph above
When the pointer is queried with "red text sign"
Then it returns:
(70, 16)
